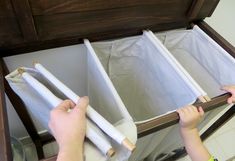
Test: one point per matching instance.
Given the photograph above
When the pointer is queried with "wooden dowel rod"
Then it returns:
(173, 118)
(92, 132)
(103, 124)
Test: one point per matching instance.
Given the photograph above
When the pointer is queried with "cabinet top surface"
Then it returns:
(29, 25)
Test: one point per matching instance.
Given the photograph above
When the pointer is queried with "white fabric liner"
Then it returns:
(147, 83)
(93, 133)
(144, 79)
(180, 70)
(209, 64)
(106, 103)
(91, 113)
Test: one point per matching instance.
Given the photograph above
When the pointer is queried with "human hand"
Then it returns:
(230, 89)
(69, 128)
(190, 116)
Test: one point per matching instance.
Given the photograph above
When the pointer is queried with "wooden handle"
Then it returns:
(170, 119)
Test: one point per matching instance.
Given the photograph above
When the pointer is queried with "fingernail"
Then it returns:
(86, 98)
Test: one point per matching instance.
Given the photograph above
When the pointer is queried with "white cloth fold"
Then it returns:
(208, 63)
(147, 83)
(40, 108)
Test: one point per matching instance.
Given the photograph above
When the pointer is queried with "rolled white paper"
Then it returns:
(41, 89)
(108, 128)
(98, 137)
(92, 132)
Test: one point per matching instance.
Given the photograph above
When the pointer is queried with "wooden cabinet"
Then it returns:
(9, 29)
(31, 25)
(45, 24)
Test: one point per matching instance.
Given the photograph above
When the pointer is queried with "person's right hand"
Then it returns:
(69, 128)
(230, 89)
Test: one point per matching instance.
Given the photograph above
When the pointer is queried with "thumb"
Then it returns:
(231, 100)
(82, 104)
(230, 89)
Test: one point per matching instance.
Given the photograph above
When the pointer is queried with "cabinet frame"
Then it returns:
(31, 40)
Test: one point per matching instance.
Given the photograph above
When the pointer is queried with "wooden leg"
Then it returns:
(5, 145)
(39, 148)
(22, 113)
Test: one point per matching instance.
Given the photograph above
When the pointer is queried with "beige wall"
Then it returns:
(223, 20)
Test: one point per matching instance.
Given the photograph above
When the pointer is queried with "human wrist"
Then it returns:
(73, 152)
(78, 143)
(188, 131)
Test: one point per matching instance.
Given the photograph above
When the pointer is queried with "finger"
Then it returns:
(201, 111)
(231, 100)
(228, 88)
(50, 125)
(80, 108)
(180, 111)
(225, 88)
(82, 104)
(194, 109)
(188, 109)
(65, 105)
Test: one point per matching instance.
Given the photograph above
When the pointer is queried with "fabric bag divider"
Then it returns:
(142, 52)
(208, 63)
(122, 107)
(89, 81)
(201, 94)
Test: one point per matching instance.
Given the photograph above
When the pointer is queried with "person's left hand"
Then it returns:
(190, 116)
